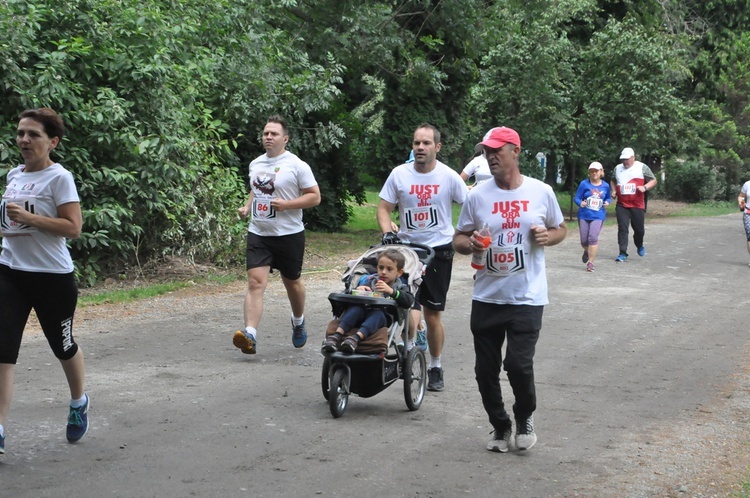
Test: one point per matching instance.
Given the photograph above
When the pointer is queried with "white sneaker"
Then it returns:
(525, 436)
(499, 443)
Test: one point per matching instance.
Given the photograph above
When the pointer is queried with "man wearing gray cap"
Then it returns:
(630, 182)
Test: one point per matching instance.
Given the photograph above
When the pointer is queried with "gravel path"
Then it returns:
(642, 374)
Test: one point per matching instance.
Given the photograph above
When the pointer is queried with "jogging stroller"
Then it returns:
(381, 358)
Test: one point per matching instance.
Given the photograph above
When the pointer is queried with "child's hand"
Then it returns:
(364, 288)
(383, 287)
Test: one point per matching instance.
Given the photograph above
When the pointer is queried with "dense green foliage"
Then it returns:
(165, 99)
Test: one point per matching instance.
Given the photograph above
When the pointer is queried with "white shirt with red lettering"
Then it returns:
(283, 176)
(515, 271)
(425, 202)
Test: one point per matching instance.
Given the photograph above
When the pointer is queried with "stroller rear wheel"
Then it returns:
(415, 378)
(338, 395)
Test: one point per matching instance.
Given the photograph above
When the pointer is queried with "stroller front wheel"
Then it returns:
(415, 378)
(338, 394)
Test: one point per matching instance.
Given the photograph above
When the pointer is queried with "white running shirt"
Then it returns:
(26, 248)
(284, 177)
(424, 202)
(516, 270)
(479, 168)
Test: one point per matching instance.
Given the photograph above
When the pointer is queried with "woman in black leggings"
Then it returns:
(40, 209)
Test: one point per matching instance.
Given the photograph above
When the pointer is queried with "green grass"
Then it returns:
(127, 295)
(363, 217)
(745, 491)
(712, 208)
(150, 290)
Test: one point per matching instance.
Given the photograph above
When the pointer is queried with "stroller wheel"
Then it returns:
(415, 378)
(338, 395)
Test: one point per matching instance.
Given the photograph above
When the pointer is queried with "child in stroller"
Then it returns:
(379, 359)
(386, 282)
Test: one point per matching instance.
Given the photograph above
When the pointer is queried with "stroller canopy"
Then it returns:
(367, 263)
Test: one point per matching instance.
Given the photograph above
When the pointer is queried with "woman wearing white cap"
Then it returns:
(593, 196)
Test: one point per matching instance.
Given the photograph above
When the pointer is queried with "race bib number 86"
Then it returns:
(262, 209)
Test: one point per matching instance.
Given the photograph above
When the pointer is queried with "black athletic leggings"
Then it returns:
(52, 296)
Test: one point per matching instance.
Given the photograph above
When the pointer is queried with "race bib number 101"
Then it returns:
(421, 218)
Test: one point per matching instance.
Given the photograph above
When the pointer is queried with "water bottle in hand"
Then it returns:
(485, 237)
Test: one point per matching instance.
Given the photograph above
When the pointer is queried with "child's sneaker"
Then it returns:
(78, 422)
(349, 345)
(331, 343)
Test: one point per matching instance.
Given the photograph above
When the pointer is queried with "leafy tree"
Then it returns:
(577, 87)
(137, 84)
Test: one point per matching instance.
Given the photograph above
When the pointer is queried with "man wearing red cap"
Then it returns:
(424, 192)
(509, 295)
(630, 182)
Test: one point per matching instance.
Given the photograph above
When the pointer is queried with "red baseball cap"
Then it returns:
(497, 137)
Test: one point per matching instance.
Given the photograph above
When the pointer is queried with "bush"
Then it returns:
(691, 181)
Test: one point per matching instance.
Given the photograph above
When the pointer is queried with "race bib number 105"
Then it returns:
(506, 260)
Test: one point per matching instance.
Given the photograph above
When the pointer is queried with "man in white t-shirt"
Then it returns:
(424, 192)
(281, 186)
(510, 292)
(477, 167)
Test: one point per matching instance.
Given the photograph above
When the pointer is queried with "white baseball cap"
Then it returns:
(627, 153)
(596, 165)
